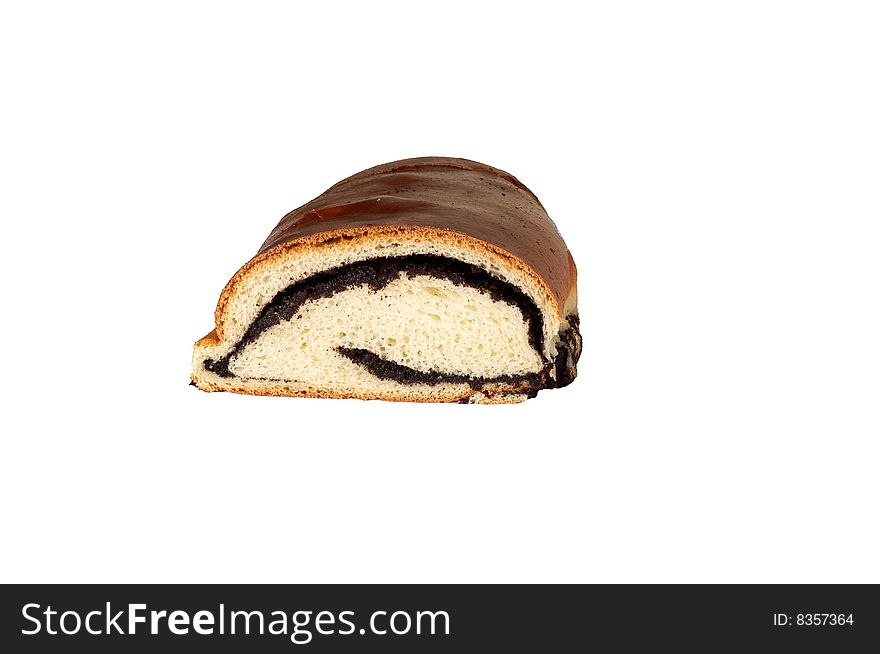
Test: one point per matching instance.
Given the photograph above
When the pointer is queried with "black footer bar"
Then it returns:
(438, 618)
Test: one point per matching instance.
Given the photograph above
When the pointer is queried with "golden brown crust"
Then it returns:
(208, 339)
(259, 387)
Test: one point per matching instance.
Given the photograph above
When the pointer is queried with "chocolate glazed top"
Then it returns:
(446, 193)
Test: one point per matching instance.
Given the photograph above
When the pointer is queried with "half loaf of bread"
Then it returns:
(430, 279)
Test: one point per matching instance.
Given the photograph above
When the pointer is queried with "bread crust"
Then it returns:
(443, 193)
(284, 389)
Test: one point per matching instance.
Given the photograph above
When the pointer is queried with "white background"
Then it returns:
(714, 168)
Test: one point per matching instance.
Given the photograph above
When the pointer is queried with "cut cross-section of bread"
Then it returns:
(431, 279)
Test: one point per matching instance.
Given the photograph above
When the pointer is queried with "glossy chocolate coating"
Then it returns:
(453, 194)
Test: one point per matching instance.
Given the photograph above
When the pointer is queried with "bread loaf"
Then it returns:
(430, 279)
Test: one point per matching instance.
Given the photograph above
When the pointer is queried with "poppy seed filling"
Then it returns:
(378, 273)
